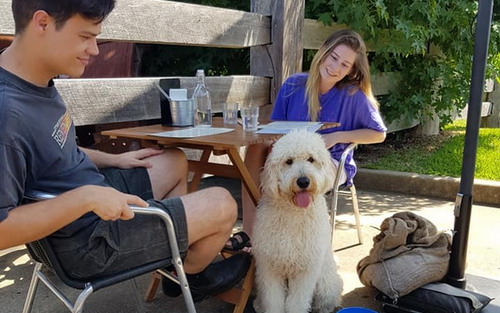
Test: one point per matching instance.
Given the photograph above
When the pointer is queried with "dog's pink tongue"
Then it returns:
(303, 199)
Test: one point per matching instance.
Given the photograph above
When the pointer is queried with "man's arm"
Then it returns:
(31, 222)
(124, 160)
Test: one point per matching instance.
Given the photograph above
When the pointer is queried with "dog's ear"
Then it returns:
(270, 176)
(328, 169)
(331, 171)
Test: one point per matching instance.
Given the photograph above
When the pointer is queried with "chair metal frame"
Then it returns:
(43, 254)
(336, 192)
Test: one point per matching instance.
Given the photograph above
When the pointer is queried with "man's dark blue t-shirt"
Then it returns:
(38, 148)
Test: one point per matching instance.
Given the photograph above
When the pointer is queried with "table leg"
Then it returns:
(197, 174)
(239, 295)
(154, 283)
(246, 178)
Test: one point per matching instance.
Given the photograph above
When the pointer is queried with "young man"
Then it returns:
(90, 224)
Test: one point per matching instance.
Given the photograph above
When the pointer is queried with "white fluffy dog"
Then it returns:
(291, 240)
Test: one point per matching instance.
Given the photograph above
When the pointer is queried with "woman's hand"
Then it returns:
(332, 139)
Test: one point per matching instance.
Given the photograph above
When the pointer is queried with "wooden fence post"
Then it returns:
(284, 56)
(493, 121)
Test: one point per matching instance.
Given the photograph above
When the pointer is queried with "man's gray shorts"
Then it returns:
(106, 247)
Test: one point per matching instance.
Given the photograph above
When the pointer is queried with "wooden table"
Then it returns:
(226, 143)
(220, 144)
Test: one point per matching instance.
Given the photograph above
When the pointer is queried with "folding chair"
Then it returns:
(341, 190)
(43, 254)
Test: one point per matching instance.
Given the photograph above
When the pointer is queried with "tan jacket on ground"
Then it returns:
(408, 253)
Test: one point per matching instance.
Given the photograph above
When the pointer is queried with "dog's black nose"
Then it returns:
(303, 182)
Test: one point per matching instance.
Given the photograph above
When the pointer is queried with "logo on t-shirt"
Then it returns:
(61, 129)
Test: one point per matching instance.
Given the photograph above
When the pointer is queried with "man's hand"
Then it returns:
(39, 219)
(136, 158)
(109, 203)
(130, 159)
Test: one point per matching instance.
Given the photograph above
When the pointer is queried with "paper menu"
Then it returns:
(284, 127)
(192, 132)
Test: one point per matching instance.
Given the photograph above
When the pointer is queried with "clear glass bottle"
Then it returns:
(203, 105)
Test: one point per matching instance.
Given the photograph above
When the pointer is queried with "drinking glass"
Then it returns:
(230, 113)
(250, 117)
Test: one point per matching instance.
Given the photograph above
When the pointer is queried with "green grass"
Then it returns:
(444, 157)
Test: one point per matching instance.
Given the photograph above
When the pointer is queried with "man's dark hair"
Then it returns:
(60, 10)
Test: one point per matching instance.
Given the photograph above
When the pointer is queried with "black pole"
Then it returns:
(463, 202)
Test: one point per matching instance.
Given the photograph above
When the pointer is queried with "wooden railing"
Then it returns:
(275, 31)
(274, 54)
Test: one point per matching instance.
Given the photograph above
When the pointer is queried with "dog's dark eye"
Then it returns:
(310, 160)
(289, 161)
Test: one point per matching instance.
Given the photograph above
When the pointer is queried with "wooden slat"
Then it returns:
(383, 83)
(489, 85)
(316, 32)
(293, 24)
(401, 123)
(486, 109)
(284, 56)
(175, 23)
(6, 19)
(493, 120)
(96, 101)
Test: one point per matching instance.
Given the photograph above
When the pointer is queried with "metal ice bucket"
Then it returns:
(178, 113)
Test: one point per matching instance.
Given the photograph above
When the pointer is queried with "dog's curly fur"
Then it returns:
(291, 241)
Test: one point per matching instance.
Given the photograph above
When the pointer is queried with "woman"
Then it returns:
(336, 89)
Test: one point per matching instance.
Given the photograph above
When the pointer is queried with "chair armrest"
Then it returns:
(345, 153)
(174, 249)
(40, 195)
(170, 229)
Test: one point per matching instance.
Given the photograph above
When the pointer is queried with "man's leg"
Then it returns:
(210, 214)
(168, 174)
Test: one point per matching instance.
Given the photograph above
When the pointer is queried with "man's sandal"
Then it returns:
(237, 242)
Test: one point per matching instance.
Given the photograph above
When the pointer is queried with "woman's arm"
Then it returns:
(362, 136)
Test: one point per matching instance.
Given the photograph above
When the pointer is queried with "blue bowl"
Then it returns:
(356, 310)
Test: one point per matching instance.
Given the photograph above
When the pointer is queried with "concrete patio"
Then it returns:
(483, 254)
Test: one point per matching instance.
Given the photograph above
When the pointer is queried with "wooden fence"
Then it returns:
(275, 54)
(275, 31)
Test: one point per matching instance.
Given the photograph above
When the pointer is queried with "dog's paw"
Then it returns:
(257, 306)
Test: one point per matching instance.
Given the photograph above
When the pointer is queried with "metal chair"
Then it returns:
(43, 254)
(339, 189)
